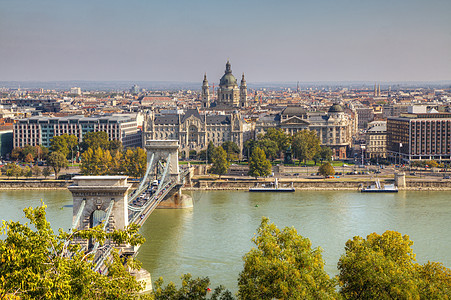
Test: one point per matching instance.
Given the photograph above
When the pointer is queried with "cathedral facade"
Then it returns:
(194, 130)
(229, 94)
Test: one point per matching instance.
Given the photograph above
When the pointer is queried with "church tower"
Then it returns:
(205, 93)
(228, 92)
(243, 93)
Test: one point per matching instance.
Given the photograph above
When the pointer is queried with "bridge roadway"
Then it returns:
(141, 204)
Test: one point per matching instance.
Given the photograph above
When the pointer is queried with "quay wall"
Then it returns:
(314, 184)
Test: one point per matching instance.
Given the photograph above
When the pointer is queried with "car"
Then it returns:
(446, 177)
(296, 174)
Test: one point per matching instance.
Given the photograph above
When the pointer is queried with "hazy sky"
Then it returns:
(169, 40)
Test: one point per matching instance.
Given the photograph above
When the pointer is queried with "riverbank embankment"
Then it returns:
(314, 184)
(244, 184)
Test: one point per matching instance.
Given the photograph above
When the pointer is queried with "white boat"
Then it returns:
(272, 188)
(378, 188)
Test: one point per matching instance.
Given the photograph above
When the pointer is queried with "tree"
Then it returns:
(27, 149)
(259, 166)
(269, 147)
(326, 153)
(281, 139)
(190, 289)
(59, 144)
(38, 264)
(46, 172)
(57, 161)
(65, 144)
(210, 150)
(248, 147)
(12, 170)
(135, 162)
(29, 158)
(72, 144)
(231, 149)
(36, 170)
(115, 145)
(305, 145)
(284, 266)
(95, 140)
(326, 169)
(16, 153)
(220, 164)
(378, 267)
(27, 172)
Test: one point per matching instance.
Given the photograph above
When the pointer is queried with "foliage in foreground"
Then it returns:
(35, 262)
(284, 266)
(191, 289)
(384, 267)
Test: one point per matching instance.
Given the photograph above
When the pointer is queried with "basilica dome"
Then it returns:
(228, 79)
(336, 108)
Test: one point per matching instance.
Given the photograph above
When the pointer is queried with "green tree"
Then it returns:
(378, 267)
(46, 172)
(36, 263)
(325, 154)
(36, 170)
(210, 150)
(232, 150)
(248, 147)
(281, 139)
(72, 144)
(59, 144)
(259, 166)
(57, 161)
(29, 150)
(115, 145)
(16, 154)
(305, 145)
(220, 164)
(27, 172)
(95, 140)
(326, 169)
(12, 170)
(269, 147)
(284, 266)
(190, 289)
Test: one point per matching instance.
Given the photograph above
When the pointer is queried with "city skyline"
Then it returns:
(285, 41)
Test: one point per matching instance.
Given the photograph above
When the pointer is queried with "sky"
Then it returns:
(270, 41)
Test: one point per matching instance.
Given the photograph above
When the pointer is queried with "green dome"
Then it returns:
(336, 108)
(228, 79)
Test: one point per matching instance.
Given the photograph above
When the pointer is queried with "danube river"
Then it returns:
(211, 238)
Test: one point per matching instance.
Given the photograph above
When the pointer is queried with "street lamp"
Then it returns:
(399, 153)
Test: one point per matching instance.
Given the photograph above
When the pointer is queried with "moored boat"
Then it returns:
(272, 188)
(378, 188)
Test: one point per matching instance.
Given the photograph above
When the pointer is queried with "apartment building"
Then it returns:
(419, 135)
(40, 130)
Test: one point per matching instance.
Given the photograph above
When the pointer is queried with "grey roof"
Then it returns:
(294, 111)
(167, 120)
(220, 119)
(80, 118)
(191, 112)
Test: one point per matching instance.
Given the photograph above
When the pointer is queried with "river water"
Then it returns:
(211, 238)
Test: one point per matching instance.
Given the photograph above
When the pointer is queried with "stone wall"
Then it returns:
(322, 184)
(34, 184)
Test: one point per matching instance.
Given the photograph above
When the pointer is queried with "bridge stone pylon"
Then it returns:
(161, 149)
(100, 200)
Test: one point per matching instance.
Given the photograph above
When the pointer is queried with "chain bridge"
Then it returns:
(110, 201)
